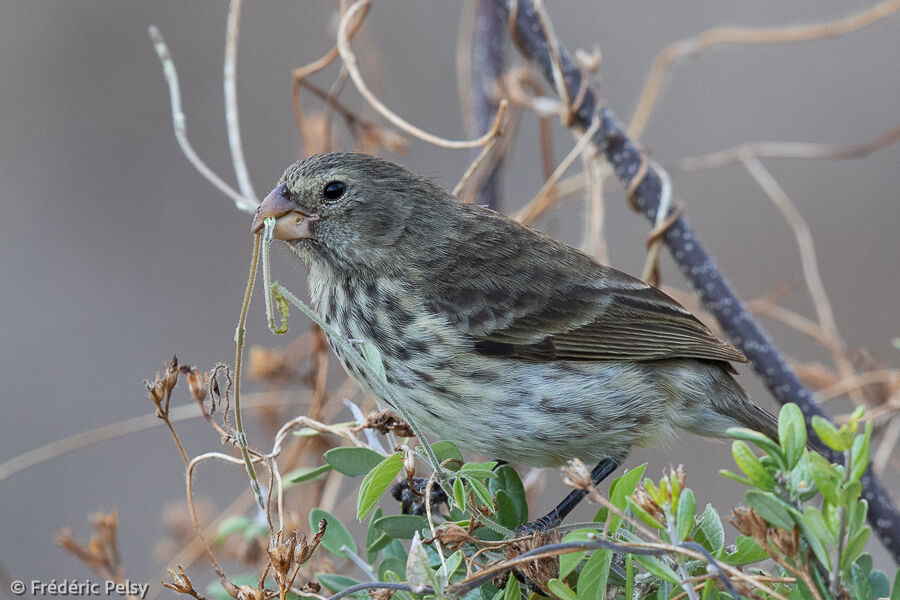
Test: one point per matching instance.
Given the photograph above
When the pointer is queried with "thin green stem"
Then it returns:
(238, 361)
(835, 583)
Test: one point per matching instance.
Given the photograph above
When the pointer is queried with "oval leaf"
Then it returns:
(353, 461)
(770, 508)
(829, 434)
(336, 535)
(448, 451)
(560, 590)
(401, 526)
(751, 466)
(509, 481)
(593, 577)
(763, 441)
(713, 532)
(791, 433)
(376, 482)
(568, 562)
(684, 519)
(747, 551)
(305, 474)
(656, 567)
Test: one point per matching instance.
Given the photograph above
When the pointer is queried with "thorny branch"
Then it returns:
(612, 140)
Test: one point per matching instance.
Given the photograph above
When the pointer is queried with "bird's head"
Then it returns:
(355, 211)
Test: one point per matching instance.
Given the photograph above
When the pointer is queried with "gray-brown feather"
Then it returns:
(499, 338)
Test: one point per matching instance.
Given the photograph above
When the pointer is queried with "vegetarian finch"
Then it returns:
(494, 335)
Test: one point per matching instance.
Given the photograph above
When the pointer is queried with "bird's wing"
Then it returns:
(521, 294)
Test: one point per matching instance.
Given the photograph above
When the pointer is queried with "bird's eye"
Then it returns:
(334, 190)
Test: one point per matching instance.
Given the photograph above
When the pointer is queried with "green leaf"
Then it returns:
(800, 592)
(392, 577)
(859, 581)
(826, 476)
(619, 491)
(747, 551)
(453, 561)
(711, 528)
(394, 564)
(336, 535)
(860, 453)
(336, 583)
(829, 434)
(560, 589)
(593, 577)
(763, 441)
(770, 508)
(791, 434)
(881, 587)
(817, 524)
(864, 562)
(353, 461)
(375, 538)
(751, 466)
(511, 591)
(643, 515)
(569, 562)
(235, 524)
(734, 477)
(481, 492)
(508, 480)
(401, 526)
(684, 518)
(849, 492)
(656, 567)
(895, 589)
(856, 515)
(505, 510)
(418, 571)
(395, 548)
(305, 474)
(479, 470)
(459, 493)
(447, 451)
(855, 546)
(376, 482)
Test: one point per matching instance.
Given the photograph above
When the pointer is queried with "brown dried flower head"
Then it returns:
(786, 541)
(305, 548)
(749, 523)
(196, 383)
(643, 499)
(450, 535)
(282, 557)
(577, 475)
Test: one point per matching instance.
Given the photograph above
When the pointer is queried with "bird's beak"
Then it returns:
(291, 223)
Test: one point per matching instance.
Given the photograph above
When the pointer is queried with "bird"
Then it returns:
(494, 335)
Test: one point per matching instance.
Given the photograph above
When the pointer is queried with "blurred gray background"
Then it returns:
(117, 254)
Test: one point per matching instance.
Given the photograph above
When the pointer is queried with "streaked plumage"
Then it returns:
(496, 336)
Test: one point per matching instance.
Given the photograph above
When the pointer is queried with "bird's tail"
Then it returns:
(739, 407)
